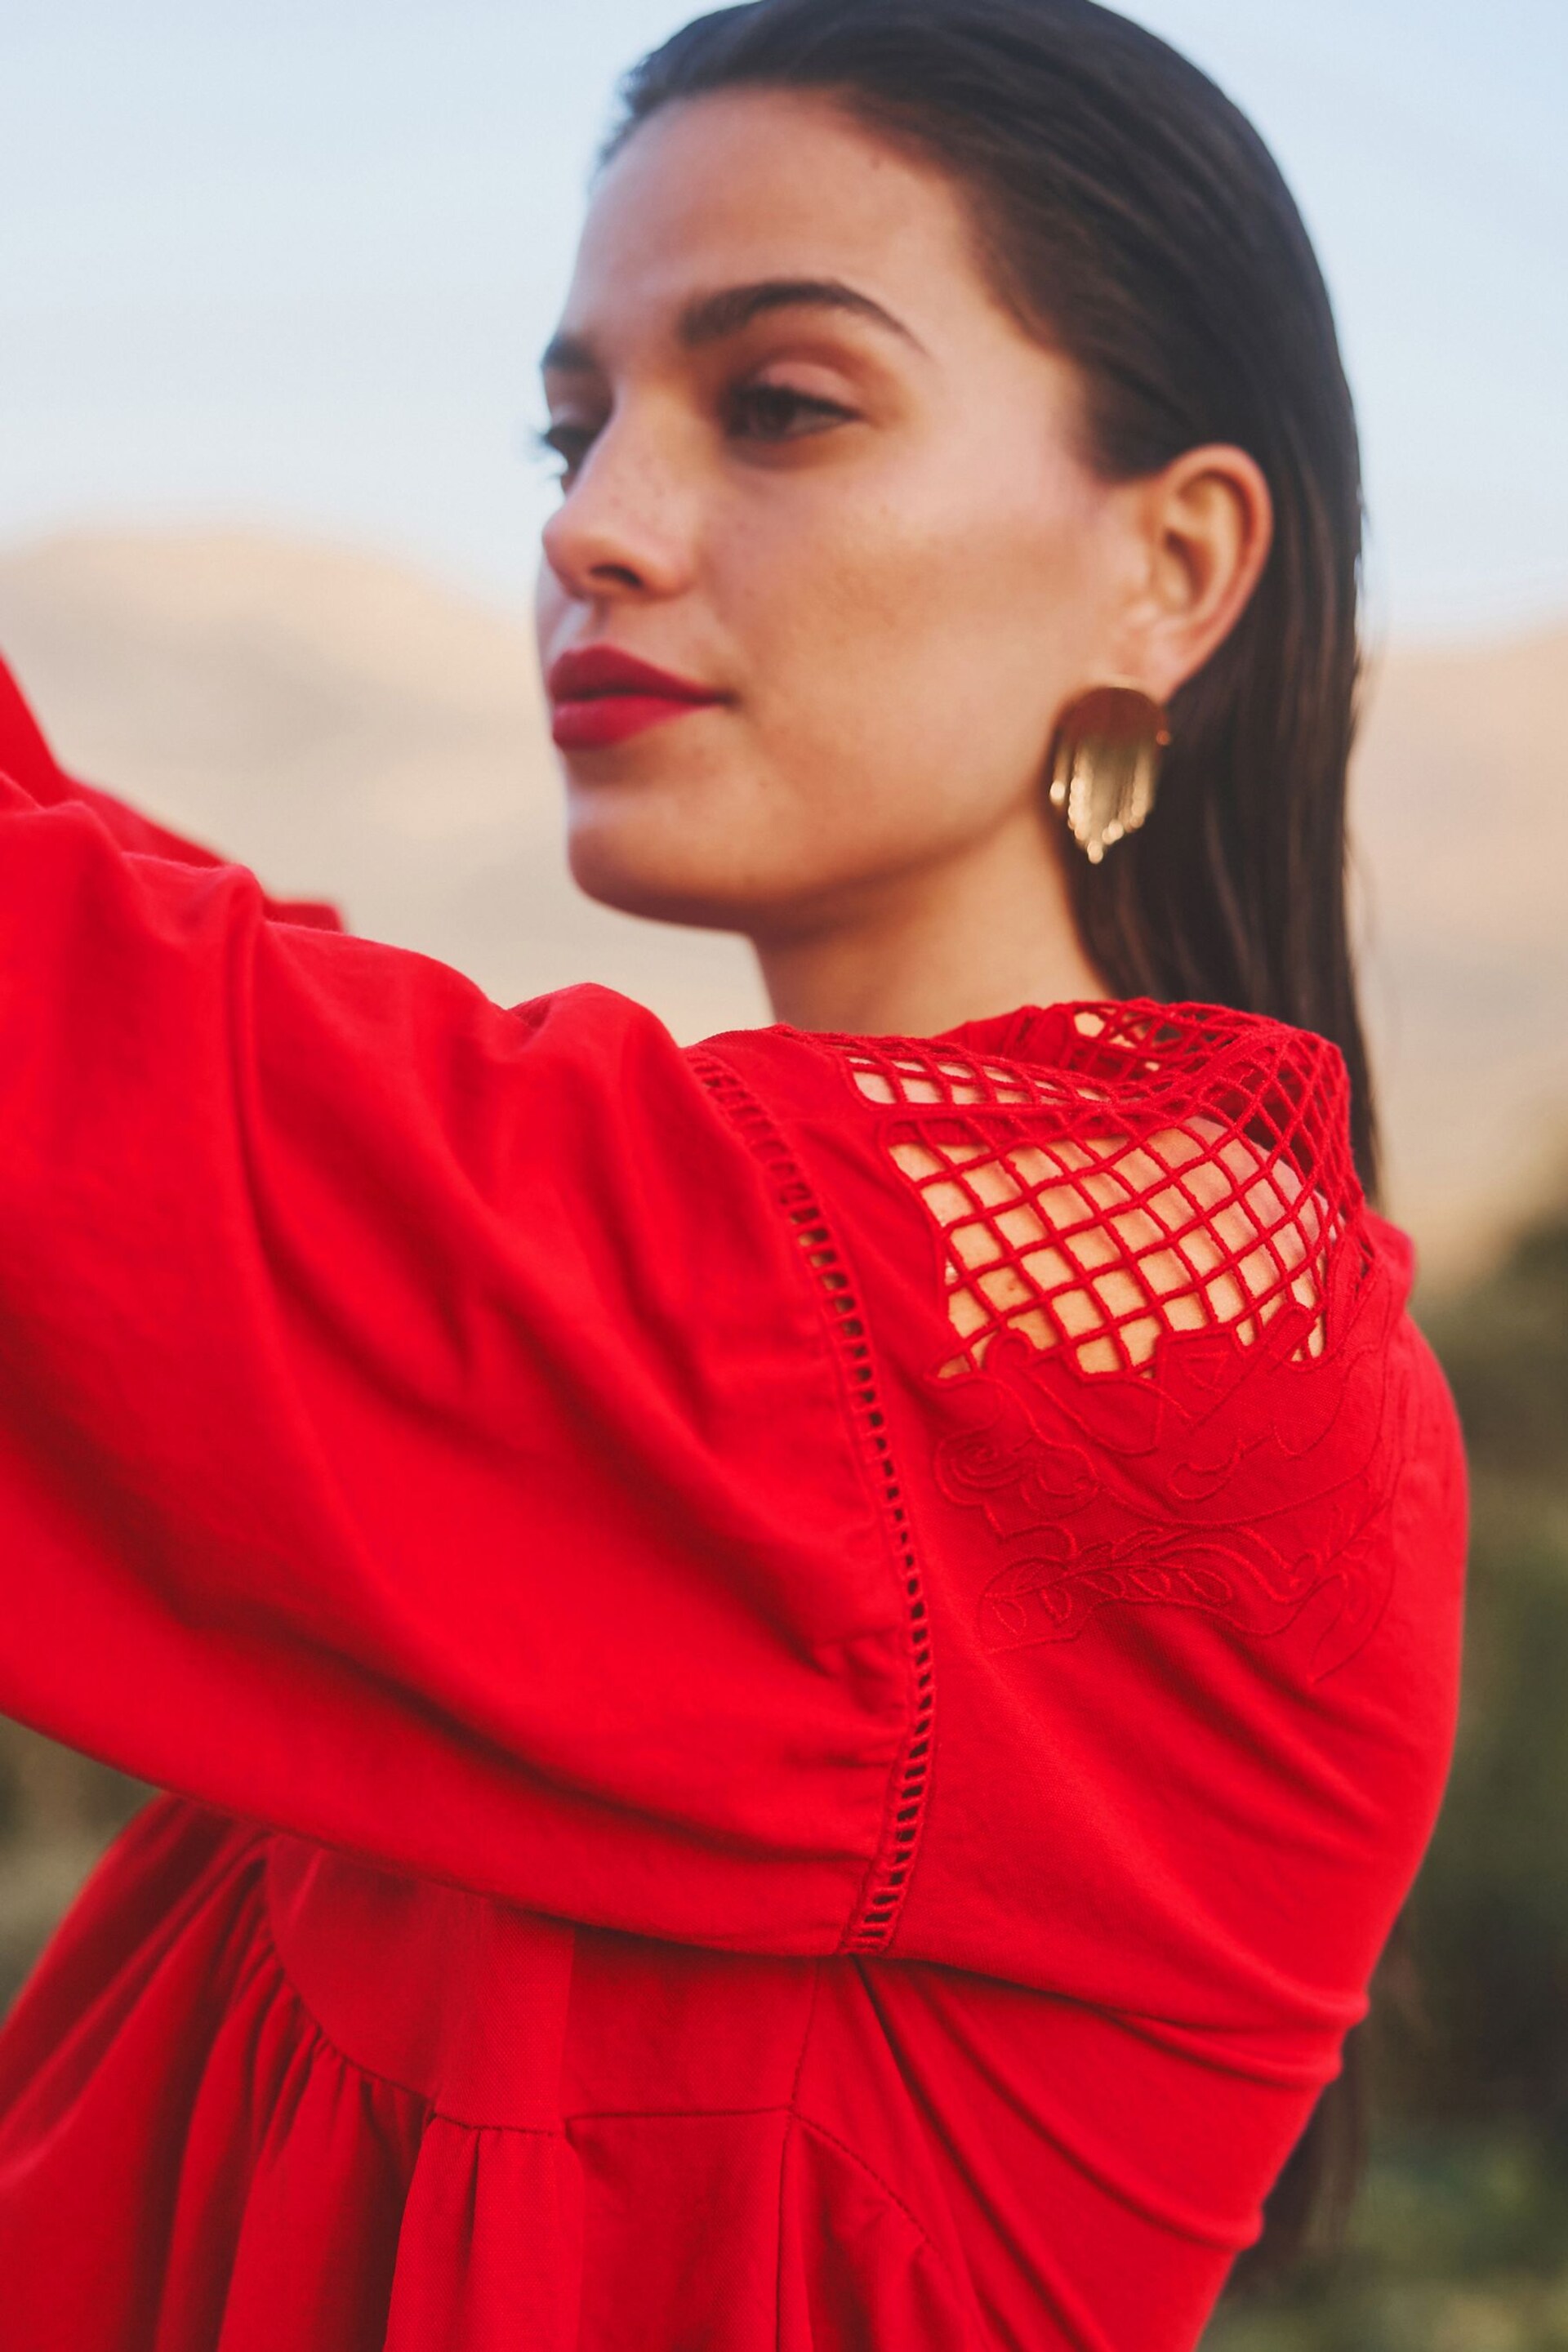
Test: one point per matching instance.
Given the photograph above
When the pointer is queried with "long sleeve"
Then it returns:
(26, 758)
(416, 1427)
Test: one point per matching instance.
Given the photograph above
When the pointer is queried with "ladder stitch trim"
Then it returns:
(878, 1915)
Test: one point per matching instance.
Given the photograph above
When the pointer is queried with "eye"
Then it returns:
(567, 444)
(777, 412)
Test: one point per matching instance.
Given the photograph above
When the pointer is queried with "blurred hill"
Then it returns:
(352, 731)
(1461, 818)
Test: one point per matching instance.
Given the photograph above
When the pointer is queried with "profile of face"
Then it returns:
(820, 477)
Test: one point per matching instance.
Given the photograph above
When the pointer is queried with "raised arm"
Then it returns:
(416, 1429)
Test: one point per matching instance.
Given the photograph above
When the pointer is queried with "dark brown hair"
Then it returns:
(1132, 217)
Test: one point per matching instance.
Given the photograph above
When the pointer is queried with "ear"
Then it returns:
(1202, 528)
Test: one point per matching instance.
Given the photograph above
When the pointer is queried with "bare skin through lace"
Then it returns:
(1074, 1232)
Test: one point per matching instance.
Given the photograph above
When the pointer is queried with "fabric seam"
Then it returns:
(877, 1914)
(433, 2112)
(821, 2131)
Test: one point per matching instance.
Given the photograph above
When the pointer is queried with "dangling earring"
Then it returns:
(1106, 764)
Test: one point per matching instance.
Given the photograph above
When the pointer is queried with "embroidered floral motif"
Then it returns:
(1051, 1598)
(1154, 1265)
(1175, 1498)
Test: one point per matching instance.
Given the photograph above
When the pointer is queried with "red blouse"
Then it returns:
(803, 1676)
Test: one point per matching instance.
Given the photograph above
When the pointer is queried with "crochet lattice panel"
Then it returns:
(1168, 1171)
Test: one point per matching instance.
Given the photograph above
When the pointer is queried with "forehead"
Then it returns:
(743, 186)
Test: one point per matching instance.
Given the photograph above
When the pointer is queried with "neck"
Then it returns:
(921, 952)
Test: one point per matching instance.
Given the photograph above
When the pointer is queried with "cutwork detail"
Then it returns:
(1153, 1262)
(873, 1928)
(1177, 1175)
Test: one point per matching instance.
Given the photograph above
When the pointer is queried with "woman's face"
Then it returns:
(816, 471)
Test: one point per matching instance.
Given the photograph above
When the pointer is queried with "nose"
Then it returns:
(623, 531)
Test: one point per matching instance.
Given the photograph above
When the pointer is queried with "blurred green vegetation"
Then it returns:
(57, 1812)
(1459, 2240)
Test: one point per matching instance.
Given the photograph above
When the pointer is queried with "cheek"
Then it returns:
(918, 640)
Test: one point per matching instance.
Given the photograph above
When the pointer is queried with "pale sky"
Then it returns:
(291, 265)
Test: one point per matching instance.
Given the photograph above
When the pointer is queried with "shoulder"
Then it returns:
(1122, 1263)
(1101, 1174)
(1136, 1056)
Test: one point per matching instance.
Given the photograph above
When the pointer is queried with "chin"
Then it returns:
(682, 844)
(639, 870)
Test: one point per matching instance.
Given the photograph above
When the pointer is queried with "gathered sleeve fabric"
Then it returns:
(418, 1429)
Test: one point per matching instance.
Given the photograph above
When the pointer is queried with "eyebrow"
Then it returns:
(712, 317)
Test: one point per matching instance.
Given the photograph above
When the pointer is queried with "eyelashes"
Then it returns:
(767, 416)
(776, 412)
(566, 445)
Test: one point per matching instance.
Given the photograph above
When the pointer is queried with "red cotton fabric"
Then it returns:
(801, 1679)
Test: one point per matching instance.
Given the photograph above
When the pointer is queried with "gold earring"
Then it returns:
(1106, 764)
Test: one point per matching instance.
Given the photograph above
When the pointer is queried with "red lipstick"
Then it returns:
(601, 696)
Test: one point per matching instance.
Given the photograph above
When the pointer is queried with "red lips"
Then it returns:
(601, 696)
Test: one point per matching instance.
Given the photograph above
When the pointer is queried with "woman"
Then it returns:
(803, 1677)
